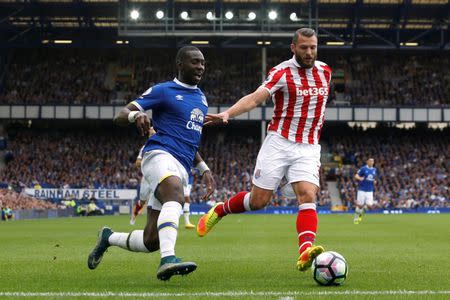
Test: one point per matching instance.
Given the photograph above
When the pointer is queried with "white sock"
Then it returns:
(118, 239)
(168, 227)
(186, 212)
(133, 241)
(247, 202)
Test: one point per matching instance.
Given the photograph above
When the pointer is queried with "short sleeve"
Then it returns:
(361, 172)
(274, 81)
(327, 73)
(151, 98)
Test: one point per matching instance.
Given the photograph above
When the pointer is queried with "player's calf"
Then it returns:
(151, 243)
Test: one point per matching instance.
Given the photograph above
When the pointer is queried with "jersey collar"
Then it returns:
(188, 86)
(294, 60)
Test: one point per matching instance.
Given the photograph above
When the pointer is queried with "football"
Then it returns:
(329, 268)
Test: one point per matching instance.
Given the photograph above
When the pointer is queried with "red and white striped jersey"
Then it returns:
(300, 96)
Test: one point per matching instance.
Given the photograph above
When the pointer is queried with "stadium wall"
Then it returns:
(338, 113)
(43, 213)
(200, 209)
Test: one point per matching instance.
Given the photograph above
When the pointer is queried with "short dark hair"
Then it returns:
(181, 54)
(308, 32)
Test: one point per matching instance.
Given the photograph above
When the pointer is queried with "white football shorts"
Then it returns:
(280, 157)
(364, 198)
(156, 166)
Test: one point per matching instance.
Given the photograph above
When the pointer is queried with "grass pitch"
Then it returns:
(244, 257)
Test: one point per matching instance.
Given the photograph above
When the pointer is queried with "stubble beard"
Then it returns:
(303, 64)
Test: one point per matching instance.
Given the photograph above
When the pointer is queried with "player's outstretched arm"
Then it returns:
(131, 114)
(245, 104)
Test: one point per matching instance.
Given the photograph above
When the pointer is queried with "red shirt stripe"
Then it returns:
(278, 110)
(318, 108)
(276, 77)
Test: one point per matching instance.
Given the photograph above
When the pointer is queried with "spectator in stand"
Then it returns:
(93, 209)
(7, 214)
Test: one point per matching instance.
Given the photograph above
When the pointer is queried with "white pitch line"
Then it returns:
(221, 294)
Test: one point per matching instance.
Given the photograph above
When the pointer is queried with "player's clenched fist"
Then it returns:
(142, 123)
(217, 118)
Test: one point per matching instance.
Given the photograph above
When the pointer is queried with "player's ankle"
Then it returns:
(219, 210)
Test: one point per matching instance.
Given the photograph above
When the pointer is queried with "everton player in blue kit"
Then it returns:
(179, 108)
(364, 199)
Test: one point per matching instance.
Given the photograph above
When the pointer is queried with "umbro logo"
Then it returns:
(179, 97)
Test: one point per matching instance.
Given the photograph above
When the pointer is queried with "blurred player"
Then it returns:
(143, 188)
(299, 88)
(187, 204)
(364, 198)
(178, 108)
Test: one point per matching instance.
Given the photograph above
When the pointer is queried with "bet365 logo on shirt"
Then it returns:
(312, 91)
(196, 120)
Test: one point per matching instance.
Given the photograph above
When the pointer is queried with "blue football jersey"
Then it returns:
(369, 175)
(178, 112)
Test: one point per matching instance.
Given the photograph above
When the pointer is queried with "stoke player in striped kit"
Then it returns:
(299, 89)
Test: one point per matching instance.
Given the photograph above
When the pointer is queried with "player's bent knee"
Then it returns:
(256, 205)
(260, 198)
(308, 196)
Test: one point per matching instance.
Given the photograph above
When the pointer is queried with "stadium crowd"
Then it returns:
(54, 77)
(18, 201)
(71, 158)
(71, 76)
(413, 165)
(411, 80)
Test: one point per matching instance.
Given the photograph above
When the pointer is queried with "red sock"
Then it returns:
(235, 205)
(306, 225)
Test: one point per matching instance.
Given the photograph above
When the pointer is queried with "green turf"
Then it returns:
(243, 253)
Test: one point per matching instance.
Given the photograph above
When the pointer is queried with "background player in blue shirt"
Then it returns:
(179, 108)
(364, 198)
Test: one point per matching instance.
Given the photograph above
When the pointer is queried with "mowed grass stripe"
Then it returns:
(223, 294)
